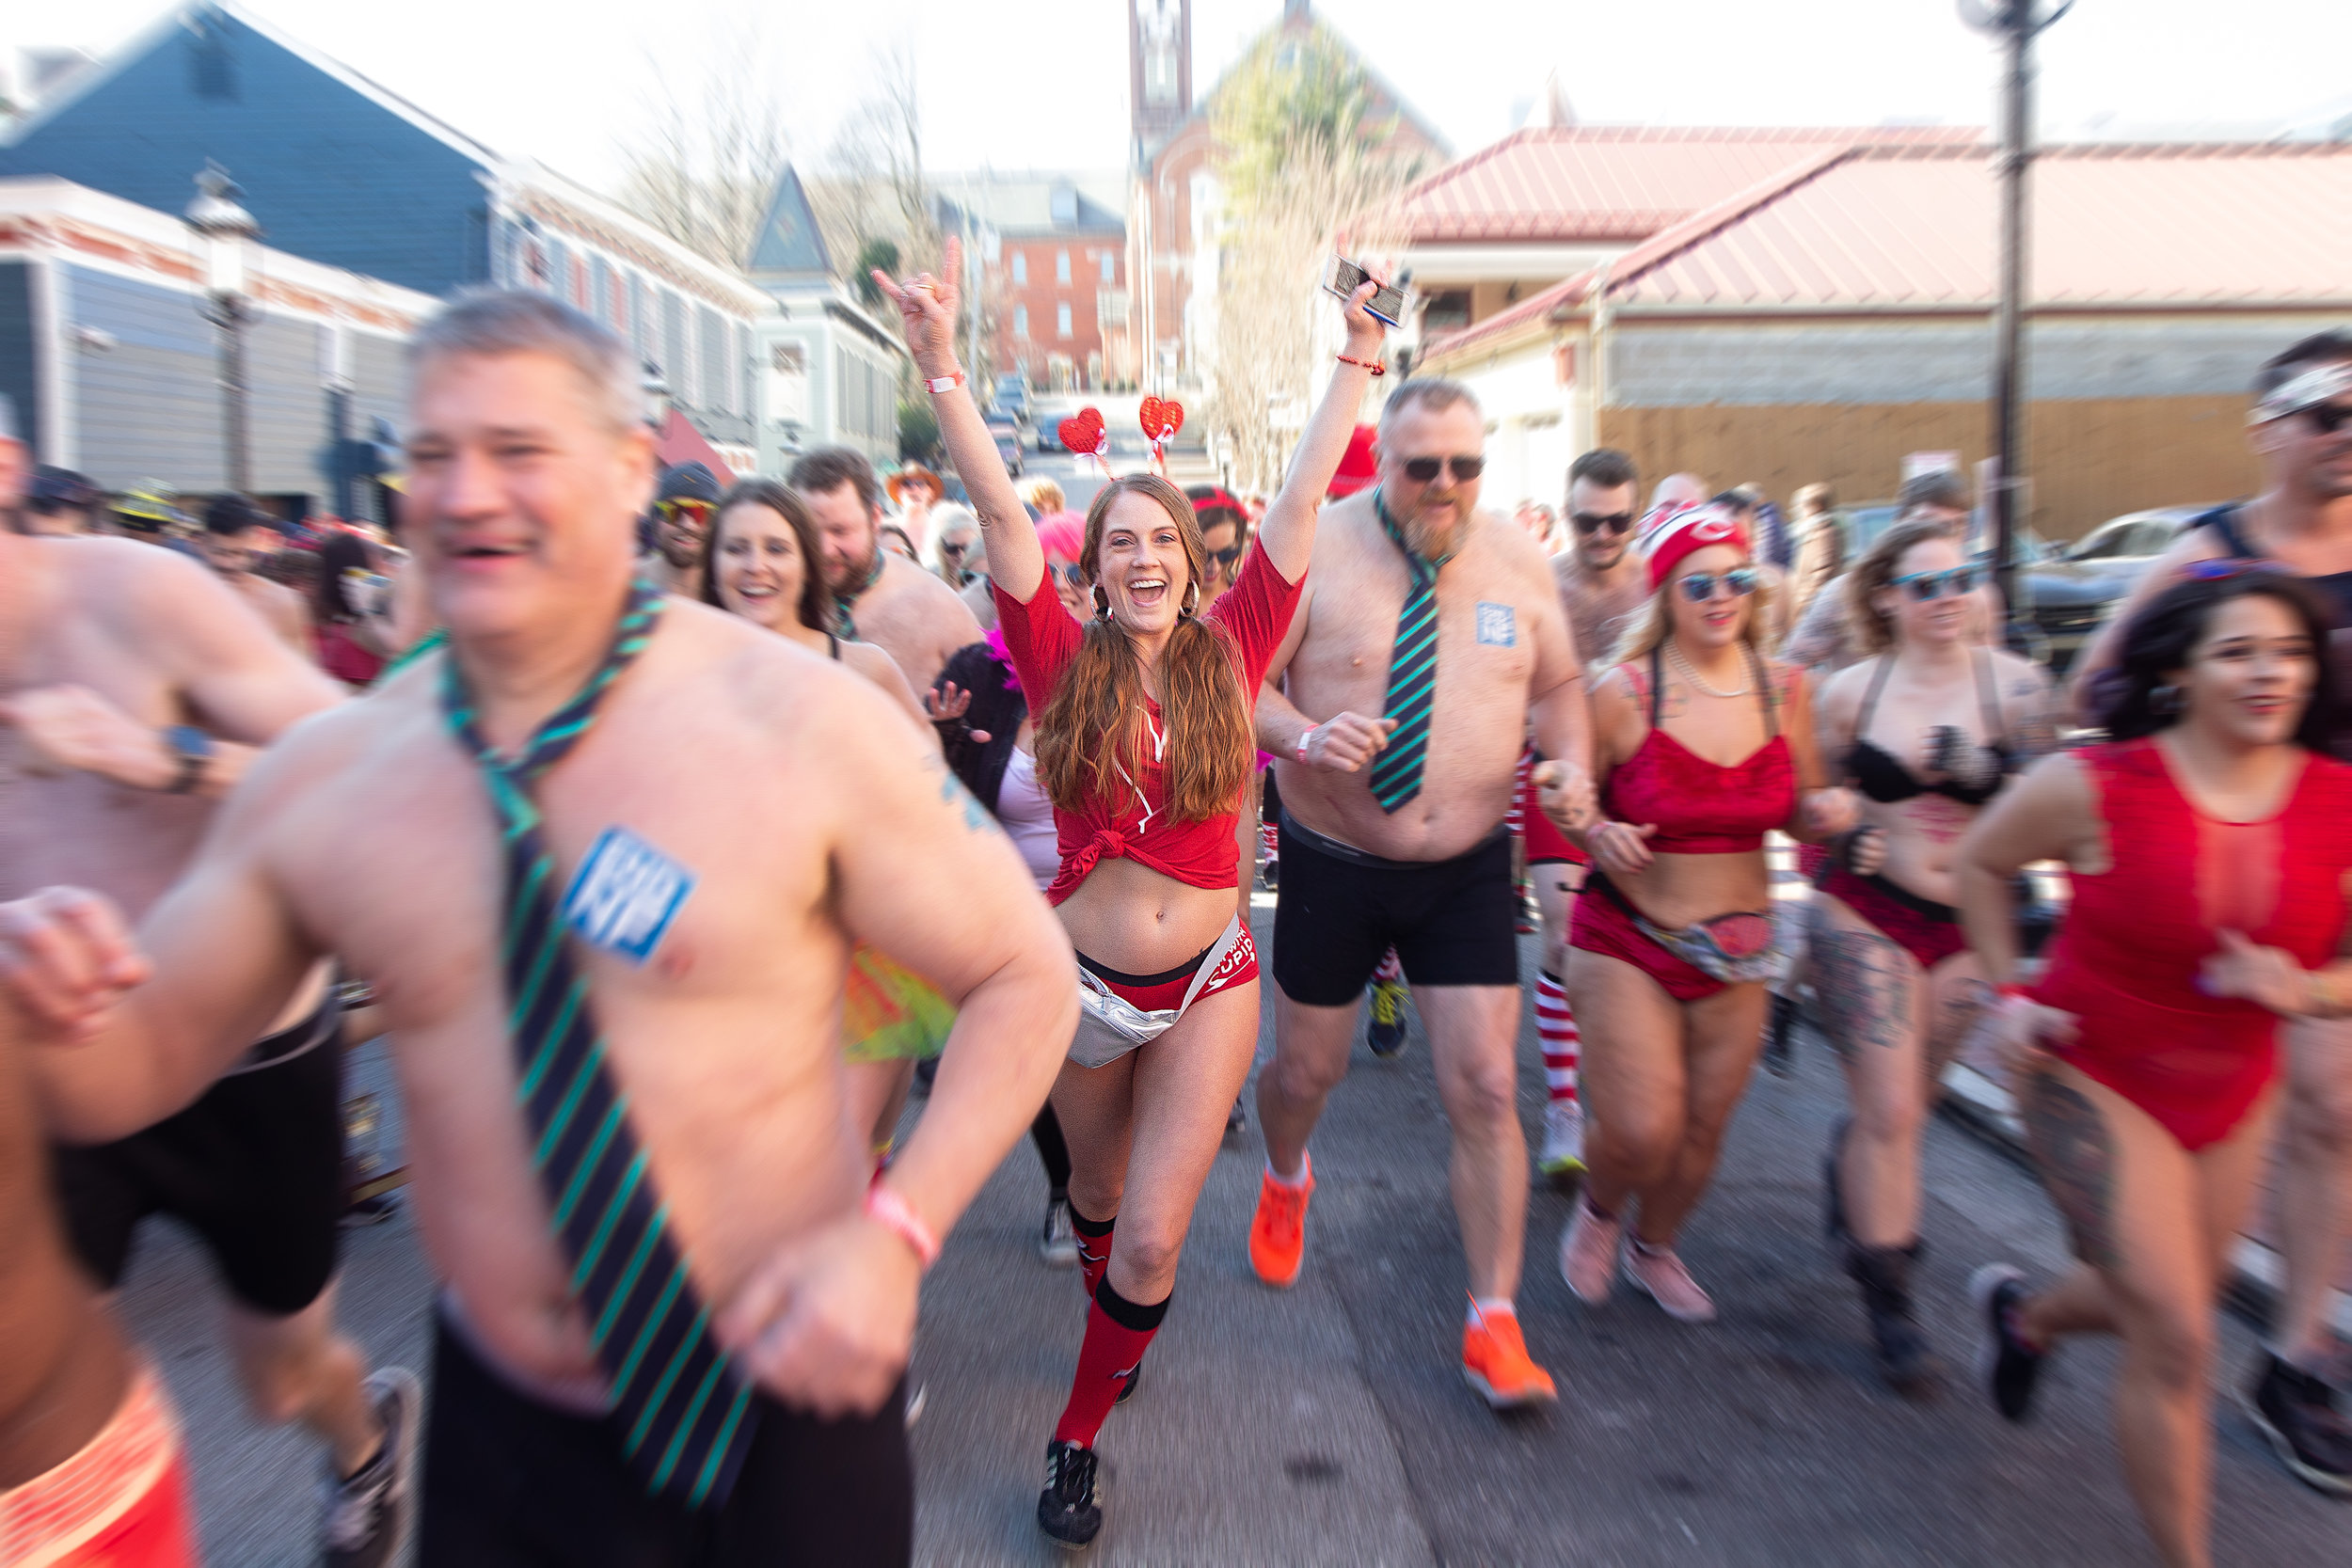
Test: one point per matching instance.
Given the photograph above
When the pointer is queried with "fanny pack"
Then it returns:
(1734, 948)
(1110, 1025)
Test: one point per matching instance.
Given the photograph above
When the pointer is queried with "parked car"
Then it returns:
(2074, 589)
(1009, 448)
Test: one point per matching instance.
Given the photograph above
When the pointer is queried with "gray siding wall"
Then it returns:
(1681, 365)
(150, 408)
(379, 383)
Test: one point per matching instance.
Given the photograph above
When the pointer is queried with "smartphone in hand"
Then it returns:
(1346, 277)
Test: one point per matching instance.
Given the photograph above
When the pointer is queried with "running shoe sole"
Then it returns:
(1505, 1401)
(400, 1383)
(2310, 1475)
(1982, 1284)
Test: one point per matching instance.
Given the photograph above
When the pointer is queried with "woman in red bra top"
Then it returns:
(1702, 745)
(1926, 729)
(1144, 743)
(2210, 841)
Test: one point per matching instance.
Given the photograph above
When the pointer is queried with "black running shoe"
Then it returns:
(1067, 1510)
(2296, 1412)
(2007, 1365)
(369, 1514)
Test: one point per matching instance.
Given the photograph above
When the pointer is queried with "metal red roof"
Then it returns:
(2141, 226)
(1622, 183)
(2120, 226)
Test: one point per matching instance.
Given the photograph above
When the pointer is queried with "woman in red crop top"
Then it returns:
(1144, 744)
(2210, 841)
(1926, 729)
(1701, 745)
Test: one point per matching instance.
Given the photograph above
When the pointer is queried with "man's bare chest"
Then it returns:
(1485, 630)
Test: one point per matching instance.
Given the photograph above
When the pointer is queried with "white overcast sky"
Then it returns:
(1018, 84)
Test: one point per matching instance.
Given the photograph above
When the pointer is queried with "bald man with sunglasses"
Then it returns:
(1427, 636)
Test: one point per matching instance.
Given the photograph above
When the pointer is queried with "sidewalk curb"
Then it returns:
(1985, 1109)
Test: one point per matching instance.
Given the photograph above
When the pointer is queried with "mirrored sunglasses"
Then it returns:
(1739, 583)
(1934, 585)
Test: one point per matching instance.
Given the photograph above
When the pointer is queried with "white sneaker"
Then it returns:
(1564, 1139)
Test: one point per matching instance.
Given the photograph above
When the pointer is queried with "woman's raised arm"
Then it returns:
(1288, 533)
(927, 307)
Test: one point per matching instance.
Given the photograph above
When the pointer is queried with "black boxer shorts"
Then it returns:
(1451, 922)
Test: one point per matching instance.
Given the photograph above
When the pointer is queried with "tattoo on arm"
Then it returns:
(1864, 992)
(975, 817)
(2070, 1141)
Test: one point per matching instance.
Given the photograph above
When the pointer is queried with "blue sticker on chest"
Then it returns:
(625, 894)
(1498, 626)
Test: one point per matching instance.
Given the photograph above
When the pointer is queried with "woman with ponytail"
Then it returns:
(1144, 743)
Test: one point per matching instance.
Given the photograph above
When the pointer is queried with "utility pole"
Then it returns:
(2016, 23)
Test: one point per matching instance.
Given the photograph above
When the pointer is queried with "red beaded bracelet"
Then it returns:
(1372, 365)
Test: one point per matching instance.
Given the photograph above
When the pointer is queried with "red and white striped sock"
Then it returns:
(1392, 971)
(1269, 843)
(1514, 820)
(1557, 1027)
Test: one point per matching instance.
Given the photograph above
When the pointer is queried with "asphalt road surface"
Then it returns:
(1330, 1424)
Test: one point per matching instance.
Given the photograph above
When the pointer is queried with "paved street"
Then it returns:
(1330, 1425)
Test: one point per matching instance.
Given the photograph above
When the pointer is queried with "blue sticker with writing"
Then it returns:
(1498, 628)
(625, 894)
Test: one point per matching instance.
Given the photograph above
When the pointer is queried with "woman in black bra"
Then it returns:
(1928, 728)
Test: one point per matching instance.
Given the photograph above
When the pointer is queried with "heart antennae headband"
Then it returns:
(1084, 434)
(1161, 420)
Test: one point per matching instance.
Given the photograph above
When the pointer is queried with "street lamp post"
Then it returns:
(2016, 23)
(225, 241)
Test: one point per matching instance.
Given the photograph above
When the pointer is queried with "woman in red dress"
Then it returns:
(2210, 841)
(1144, 745)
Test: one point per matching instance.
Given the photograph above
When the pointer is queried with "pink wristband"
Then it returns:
(885, 1208)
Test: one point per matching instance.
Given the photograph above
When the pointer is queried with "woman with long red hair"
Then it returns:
(1144, 743)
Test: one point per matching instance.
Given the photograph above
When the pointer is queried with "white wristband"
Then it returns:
(948, 383)
(1304, 737)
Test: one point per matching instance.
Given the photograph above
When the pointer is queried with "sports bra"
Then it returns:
(1883, 778)
(1702, 807)
(2337, 586)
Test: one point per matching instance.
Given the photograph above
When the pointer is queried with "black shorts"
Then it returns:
(255, 1168)
(510, 1482)
(1453, 922)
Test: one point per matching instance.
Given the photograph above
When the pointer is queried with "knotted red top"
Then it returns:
(1044, 639)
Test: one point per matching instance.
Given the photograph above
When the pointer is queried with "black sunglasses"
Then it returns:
(2329, 416)
(1072, 574)
(1699, 587)
(1614, 522)
(949, 546)
(1934, 585)
(1421, 470)
(1226, 557)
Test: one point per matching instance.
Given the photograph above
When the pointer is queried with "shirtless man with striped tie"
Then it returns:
(1429, 635)
(604, 859)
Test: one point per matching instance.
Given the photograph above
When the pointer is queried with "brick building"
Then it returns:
(1054, 270)
(1176, 210)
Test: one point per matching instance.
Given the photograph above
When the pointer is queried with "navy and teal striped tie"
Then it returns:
(1412, 673)
(685, 1414)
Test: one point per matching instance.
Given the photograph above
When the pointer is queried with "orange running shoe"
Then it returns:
(1495, 1359)
(1277, 1232)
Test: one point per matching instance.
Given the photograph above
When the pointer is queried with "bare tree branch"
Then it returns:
(705, 160)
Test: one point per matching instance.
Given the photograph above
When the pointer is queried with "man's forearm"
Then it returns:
(1280, 723)
(1009, 1041)
(96, 1090)
(1563, 724)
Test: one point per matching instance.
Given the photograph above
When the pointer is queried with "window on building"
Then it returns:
(1111, 273)
(1061, 319)
(1020, 320)
(1061, 267)
(1020, 266)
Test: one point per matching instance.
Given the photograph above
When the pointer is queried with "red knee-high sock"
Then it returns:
(1556, 1026)
(1094, 1247)
(1118, 1332)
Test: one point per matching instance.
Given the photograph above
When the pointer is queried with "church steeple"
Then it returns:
(1159, 54)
